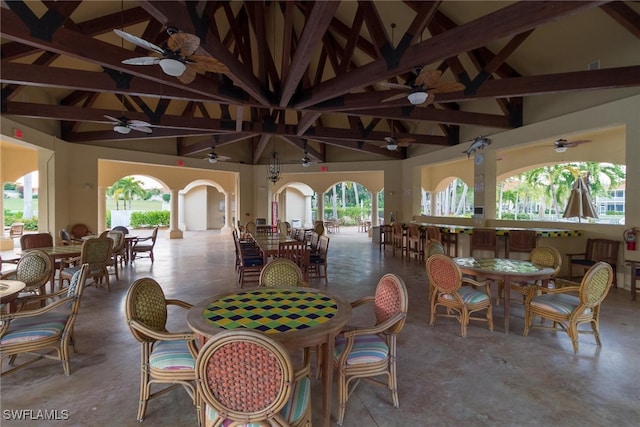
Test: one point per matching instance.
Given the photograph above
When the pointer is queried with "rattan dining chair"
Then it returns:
(297, 252)
(48, 328)
(166, 357)
(97, 253)
(143, 247)
(117, 252)
(245, 378)
(34, 269)
(318, 260)
(281, 272)
(370, 352)
(543, 256)
(447, 280)
(569, 311)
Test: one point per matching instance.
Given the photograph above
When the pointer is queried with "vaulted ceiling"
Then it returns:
(304, 76)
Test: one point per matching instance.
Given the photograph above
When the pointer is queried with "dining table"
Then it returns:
(9, 291)
(270, 243)
(298, 318)
(505, 270)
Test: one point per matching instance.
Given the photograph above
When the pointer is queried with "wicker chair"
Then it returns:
(250, 228)
(36, 240)
(377, 342)
(16, 230)
(166, 357)
(318, 261)
(414, 242)
(446, 278)
(47, 328)
(484, 239)
(244, 377)
(97, 253)
(34, 269)
(144, 245)
(78, 231)
(118, 250)
(433, 247)
(67, 240)
(568, 312)
(281, 272)
(542, 256)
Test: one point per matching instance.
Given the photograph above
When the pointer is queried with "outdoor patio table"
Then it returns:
(9, 291)
(296, 317)
(506, 270)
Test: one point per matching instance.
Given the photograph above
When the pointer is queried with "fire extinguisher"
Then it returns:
(630, 237)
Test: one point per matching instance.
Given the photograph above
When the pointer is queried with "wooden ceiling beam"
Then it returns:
(508, 21)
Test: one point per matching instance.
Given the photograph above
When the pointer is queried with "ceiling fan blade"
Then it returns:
(394, 97)
(208, 63)
(183, 43)
(443, 87)
(138, 123)
(576, 142)
(140, 128)
(189, 74)
(139, 42)
(113, 119)
(405, 141)
(403, 144)
(224, 158)
(395, 86)
(428, 78)
(142, 60)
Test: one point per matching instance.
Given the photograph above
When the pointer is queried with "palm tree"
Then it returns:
(127, 188)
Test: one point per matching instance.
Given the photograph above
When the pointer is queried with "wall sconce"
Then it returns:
(391, 193)
(87, 186)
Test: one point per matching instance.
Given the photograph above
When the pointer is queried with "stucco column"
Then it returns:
(5, 242)
(320, 215)
(228, 224)
(102, 209)
(308, 222)
(174, 232)
(374, 209)
(181, 224)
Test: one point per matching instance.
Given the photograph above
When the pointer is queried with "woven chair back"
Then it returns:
(146, 303)
(318, 228)
(122, 228)
(118, 240)
(545, 256)
(36, 240)
(96, 251)
(596, 284)
(34, 269)
(413, 231)
(390, 299)
(323, 246)
(245, 376)
(280, 272)
(434, 247)
(79, 230)
(443, 273)
(483, 239)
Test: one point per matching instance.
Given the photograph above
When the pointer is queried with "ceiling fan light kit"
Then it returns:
(172, 67)
(124, 130)
(417, 97)
(560, 149)
(392, 146)
(213, 159)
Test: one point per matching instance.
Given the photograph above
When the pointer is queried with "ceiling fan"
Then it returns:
(124, 126)
(422, 87)
(561, 145)
(393, 143)
(212, 157)
(178, 57)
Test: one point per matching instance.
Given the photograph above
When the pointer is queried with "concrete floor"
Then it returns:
(489, 378)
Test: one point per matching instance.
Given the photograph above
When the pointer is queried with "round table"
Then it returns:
(506, 270)
(296, 317)
(9, 291)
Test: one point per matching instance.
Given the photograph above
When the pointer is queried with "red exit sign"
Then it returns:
(17, 133)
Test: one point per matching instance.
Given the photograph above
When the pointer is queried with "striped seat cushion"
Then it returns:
(558, 303)
(366, 349)
(468, 295)
(292, 411)
(171, 355)
(35, 328)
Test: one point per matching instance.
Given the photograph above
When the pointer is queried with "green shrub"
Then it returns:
(149, 219)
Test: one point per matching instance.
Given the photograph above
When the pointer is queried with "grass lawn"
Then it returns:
(137, 205)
